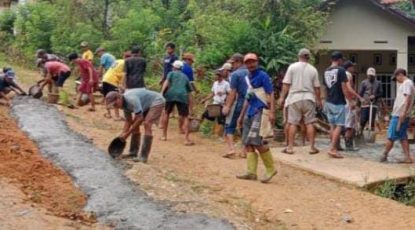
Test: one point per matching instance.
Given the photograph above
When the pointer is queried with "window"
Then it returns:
(377, 59)
(387, 87)
(353, 58)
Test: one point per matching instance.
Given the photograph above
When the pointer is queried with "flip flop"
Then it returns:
(405, 162)
(191, 143)
(91, 110)
(335, 156)
(106, 115)
(287, 152)
(229, 154)
(163, 138)
(314, 151)
(384, 159)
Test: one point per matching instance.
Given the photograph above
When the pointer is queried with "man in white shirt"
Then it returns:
(401, 114)
(302, 85)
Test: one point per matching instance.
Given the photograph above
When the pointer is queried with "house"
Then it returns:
(371, 34)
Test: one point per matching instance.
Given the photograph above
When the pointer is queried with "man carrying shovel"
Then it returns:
(147, 107)
(402, 109)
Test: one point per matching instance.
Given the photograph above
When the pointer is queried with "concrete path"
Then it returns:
(359, 169)
(111, 196)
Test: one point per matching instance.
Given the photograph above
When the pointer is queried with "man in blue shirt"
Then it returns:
(168, 60)
(257, 116)
(235, 100)
(106, 60)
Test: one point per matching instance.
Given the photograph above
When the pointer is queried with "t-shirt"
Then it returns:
(333, 79)
(368, 88)
(188, 71)
(258, 79)
(107, 60)
(179, 88)
(135, 68)
(55, 68)
(88, 55)
(238, 82)
(84, 66)
(302, 78)
(140, 100)
(406, 89)
(3, 83)
(168, 64)
(220, 91)
(115, 74)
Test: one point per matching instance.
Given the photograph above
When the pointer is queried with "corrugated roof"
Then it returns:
(389, 2)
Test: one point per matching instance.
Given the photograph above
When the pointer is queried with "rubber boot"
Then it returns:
(134, 145)
(145, 149)
(252, 164)
(270, 170)
(350, 146)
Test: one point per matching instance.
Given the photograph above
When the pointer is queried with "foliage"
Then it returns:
(404, 193)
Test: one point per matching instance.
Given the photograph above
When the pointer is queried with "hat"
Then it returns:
(371, 72)
(99, 49)
(10, 74)
(397, 72)
(237, 57)
(227, 66)
(178, 64)
(250, 56)
(348, 64)
(73, 56)
(84, 44)
(336, 55)
(304, 52)
(188, 56)
(111, 97)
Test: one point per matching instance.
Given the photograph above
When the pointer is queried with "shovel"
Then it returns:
(370, 135)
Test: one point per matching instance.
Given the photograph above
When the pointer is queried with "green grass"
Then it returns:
(403, 193)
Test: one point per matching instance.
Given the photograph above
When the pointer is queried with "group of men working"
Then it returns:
(301, 97)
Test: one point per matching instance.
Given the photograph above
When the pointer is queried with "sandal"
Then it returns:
(106, 115)
(91, 110)
(230, 154)
(335, 155)
(314, 151)
(287, 152)
(407, 161)
(163, 138)
(190, 143)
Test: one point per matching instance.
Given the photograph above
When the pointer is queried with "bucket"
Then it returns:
(194, 124)
(35, 91)
(279, 135)
(214, 110)
(53, 98)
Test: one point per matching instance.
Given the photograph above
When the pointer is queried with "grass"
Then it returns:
(403, 193)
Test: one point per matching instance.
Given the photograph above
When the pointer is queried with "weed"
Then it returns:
(403, 193)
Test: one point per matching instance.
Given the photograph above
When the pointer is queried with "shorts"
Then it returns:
(61, 78)
(153, 115)
(182, 108)
(302, 110)
(336, 114)
(350, 118)
(402, 133)
(230, 128)
(365, 115)
(251, 130)
(107, 87)
(87, 88)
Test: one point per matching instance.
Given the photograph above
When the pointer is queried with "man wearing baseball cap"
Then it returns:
(335, 80)
(301, 91)
(87, 53)
(371, 90)
(235, 100)
(257, 118)
(401, 113)
(177, 92)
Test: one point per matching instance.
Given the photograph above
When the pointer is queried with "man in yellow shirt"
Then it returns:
(112, 81)
(87, 54)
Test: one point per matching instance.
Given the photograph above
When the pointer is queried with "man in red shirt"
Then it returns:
(56, 75)
(89, 79)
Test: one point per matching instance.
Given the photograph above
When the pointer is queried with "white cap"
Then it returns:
(227, 66)
(178, 64)
(371, 72)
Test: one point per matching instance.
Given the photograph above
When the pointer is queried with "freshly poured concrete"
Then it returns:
(360, 168)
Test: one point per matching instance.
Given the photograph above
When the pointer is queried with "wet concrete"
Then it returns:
(110, 195)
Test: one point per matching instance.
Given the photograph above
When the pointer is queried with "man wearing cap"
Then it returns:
(8, 83)
(135, 68)
(350, 124)
(106, 60)
(168, 61)
(89, 79)
(177, 92)
(401, 114)
(335, 80)
(371, 90)
(235, 100)
(257, 118)
(87, 54)
(302, 86)
(147, 106)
